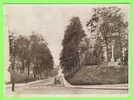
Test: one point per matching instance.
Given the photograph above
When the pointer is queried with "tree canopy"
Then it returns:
(31, 53)
(108, 23)
(72, 37)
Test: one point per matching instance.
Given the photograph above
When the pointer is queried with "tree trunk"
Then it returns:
(28, 72)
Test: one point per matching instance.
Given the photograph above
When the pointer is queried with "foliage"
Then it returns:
(73, 35)
(31, 53)
(108, 24)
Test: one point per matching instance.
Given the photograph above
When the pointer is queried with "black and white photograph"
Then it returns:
(66, 50)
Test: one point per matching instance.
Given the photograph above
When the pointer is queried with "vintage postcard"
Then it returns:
(78, 50)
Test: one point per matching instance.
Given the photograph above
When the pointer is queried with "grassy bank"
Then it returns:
(90, 75)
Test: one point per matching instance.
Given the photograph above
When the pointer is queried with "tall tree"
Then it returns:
(30, 53)
(22, 51)
(107, 23)
(41, 55)
(72, 37)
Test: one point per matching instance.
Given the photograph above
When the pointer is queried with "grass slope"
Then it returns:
(90, 75)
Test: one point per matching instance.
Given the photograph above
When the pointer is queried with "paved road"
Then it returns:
(46, 87)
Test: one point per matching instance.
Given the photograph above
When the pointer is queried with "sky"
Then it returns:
(50, 20)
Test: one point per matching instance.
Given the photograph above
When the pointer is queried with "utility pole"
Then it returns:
(13, 67)
(12, 54)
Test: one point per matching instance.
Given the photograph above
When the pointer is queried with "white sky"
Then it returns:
(48, 20)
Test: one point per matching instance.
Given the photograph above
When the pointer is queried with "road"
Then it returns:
(47, 88)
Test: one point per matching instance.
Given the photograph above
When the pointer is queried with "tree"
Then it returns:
(30, 53)
(12, 49)
(107, 23)
(84, 44)
(41, 56)
(73, 35)
(22, 51)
